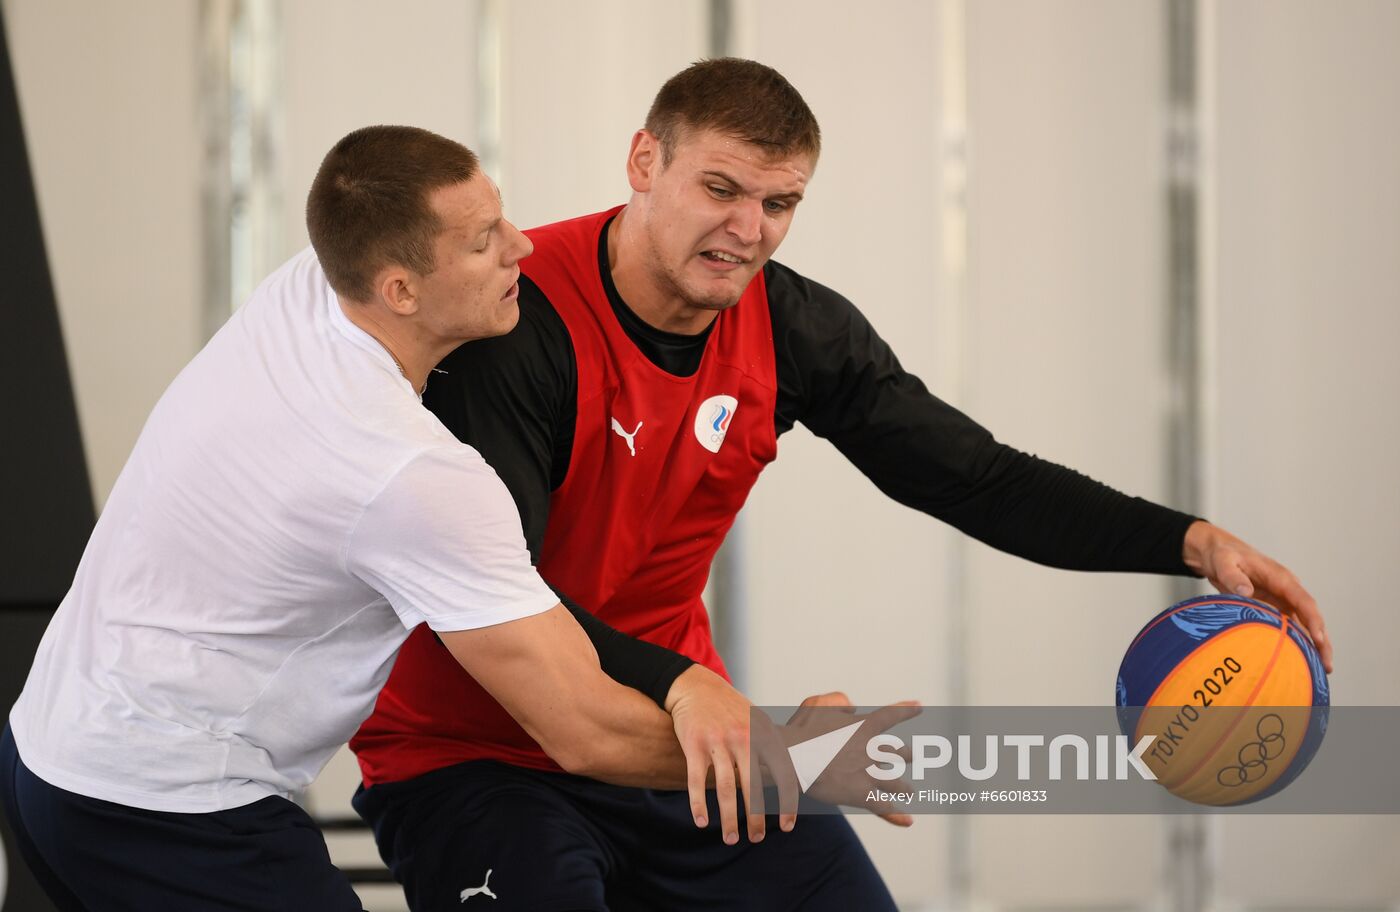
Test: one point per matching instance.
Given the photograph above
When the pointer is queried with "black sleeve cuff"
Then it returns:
(629, 661)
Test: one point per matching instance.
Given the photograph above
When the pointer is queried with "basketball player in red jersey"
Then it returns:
(659, 355)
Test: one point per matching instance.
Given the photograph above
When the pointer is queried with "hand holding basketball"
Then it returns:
(1234, 566)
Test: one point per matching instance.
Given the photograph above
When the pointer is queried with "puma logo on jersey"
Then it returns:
(469, 892)
(631, 444)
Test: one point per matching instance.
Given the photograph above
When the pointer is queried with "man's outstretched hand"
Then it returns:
(1235, 567)
(846, 780)
(721, 735)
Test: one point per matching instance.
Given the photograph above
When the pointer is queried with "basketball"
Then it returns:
(1235, 694)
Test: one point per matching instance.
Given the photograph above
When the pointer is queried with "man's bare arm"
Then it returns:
(545, 672)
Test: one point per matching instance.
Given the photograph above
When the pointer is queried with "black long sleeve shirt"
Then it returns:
(514, 397)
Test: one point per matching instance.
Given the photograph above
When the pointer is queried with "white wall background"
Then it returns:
(1053, 336)
(1307, 140)
(1065, 359)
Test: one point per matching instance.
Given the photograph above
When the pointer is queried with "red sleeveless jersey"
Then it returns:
(659, 469)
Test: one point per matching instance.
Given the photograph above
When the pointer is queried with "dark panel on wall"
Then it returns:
(46, 510)
(47, 513)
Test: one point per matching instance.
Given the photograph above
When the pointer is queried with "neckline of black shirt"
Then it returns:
(677, 354)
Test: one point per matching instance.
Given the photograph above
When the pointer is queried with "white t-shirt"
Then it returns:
(289, 513)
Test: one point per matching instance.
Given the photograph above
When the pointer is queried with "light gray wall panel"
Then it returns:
(577, 80)
(1065, 107)
(351, 63)
(1308, 311)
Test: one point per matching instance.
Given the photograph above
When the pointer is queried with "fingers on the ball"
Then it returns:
(1306, 609)
(1231, 577)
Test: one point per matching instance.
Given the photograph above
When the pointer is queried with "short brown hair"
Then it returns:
(739, 97)
(368, 206)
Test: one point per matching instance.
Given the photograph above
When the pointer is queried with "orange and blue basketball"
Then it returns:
(1234, 692)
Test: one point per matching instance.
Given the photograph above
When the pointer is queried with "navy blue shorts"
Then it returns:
(552, 842)
(89, 854)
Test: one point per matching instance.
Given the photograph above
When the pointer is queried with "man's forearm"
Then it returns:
(633, 743)
(545, 672)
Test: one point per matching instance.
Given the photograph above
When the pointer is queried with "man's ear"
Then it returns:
(643, 161)
(397, 290)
